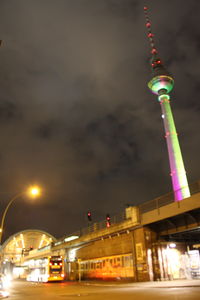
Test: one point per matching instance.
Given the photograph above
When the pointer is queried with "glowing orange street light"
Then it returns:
(32, 192)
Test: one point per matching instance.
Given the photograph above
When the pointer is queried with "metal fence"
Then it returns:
(166, 199)
(103, 224)
(95, 226)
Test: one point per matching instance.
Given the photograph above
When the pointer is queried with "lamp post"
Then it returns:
(33, 192)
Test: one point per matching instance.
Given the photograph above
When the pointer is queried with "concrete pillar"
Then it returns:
(142, 251)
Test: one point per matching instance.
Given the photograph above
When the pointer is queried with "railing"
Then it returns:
(145, 207)
(166, 199)
(94, 227)
(101, 225)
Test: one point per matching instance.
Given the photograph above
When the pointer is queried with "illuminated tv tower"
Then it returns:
(161, 84)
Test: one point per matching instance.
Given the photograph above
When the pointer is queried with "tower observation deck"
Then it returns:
(161, 84)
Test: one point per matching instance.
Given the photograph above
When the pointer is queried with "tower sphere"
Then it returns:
(162, 84)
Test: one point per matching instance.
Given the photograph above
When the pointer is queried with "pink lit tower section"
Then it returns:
(161, 84)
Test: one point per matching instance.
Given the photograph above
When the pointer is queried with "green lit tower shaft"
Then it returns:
(161, 84)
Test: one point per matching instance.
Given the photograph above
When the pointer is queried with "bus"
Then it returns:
(46, 269)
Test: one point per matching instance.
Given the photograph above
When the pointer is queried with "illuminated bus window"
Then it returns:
(104, 263)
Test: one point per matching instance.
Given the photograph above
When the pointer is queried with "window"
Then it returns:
(127, 261)
(122, 261)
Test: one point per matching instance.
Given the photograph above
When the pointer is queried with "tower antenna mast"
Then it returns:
(150, 34)
(161, 84)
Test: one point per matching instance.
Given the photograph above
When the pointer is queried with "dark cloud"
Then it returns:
(76, 115)
(47, 130)
(8, 110)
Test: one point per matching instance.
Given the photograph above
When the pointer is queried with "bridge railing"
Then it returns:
(145, 207)
(166, 199)
(101, 225)
(95, 226)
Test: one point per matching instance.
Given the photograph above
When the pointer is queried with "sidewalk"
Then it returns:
(169, 283)
(150, 284)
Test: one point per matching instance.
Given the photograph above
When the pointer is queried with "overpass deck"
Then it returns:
(145, 214)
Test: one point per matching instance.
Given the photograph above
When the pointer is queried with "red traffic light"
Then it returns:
(108, 220)
(89, 215)
(108, 217)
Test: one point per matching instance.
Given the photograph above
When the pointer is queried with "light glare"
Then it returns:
(34, 191)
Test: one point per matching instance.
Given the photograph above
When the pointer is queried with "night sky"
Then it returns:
(76, 116)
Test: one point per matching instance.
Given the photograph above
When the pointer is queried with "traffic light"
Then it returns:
(89, 216)
(108, 220)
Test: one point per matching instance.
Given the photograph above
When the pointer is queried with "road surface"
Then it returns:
(21, 290)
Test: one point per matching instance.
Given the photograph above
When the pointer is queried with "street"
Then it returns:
(21, 290)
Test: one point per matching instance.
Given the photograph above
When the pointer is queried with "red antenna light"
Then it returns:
(150, 34)
(154, 51)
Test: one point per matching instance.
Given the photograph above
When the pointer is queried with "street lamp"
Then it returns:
(33, 192)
